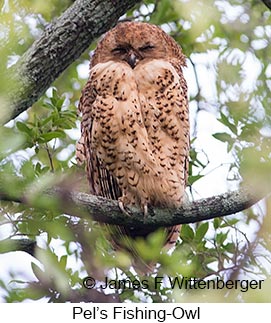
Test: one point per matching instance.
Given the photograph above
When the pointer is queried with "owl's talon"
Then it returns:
(122, 208)
(145, 210)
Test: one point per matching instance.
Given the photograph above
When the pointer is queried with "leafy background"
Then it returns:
(227, 44)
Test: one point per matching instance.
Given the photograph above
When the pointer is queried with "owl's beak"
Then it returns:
(132, 59)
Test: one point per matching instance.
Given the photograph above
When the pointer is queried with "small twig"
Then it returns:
(50, 158)
(196, 97)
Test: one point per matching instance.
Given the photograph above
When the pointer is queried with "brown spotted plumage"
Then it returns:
(135, 127)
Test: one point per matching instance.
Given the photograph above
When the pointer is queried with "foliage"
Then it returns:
(228, 62)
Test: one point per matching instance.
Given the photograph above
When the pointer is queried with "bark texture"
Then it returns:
(107, 211)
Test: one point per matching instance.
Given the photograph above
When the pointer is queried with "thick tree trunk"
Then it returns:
(61, 43)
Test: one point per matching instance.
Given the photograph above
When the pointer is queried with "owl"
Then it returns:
(135, 122)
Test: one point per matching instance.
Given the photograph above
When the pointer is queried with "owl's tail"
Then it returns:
(142, 267)
(122, 241)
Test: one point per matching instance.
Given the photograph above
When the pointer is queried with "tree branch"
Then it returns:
(267, 3)
(26, 245)
(107, 211)
(61, 43)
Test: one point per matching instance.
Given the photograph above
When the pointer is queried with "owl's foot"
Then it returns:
(122, 207)
(147, 209)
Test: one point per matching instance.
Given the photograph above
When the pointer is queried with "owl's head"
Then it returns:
(133, 42)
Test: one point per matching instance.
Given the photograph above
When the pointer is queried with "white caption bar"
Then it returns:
(153, 313)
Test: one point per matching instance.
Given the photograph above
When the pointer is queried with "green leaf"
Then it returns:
(193, 178)
(46, 137)
(46, 121)
(27, 170)
(201, 231)
(221, 237)
(217, 223)
(49, 106)
(59, 103)
(54, 97)
(38, 168)
(24, 128)
(37, 271)
(229, 222)
(63, 261)
(230, 247)
(56, 100)
(225, 120)
(187, 233)
(223, 136)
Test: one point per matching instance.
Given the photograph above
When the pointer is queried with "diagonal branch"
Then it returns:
(61, 43)
(267, 3)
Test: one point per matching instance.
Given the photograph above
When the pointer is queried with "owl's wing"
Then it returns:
(185, 105)
(101, 182)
